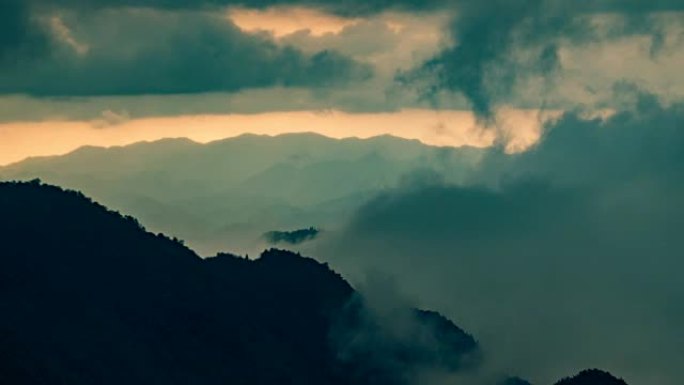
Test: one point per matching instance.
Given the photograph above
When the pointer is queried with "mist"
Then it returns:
(564, 257)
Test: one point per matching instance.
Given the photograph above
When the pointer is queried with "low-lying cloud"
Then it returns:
(563, 257)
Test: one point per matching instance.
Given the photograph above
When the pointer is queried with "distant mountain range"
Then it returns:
(87, 296)
(230, 192)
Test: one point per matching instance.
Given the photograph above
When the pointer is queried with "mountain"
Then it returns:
(592, 377)
(291, 237)
(585, 377)
(87, 296)
(228, 193)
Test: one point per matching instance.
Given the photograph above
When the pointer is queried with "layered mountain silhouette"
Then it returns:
(229, 193)
(87, 296)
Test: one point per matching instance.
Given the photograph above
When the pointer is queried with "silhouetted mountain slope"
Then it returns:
(88, 297)
(230, 192)
(592, 377)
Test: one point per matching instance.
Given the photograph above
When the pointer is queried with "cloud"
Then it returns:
(640, 143)
(19, 33)
(161, 52)
(64, 35)
(562, 257)
(347, 8)
(499, 52)
(381, 336)
(109, 118)
(380, 43)
(499, 46)
(165, 47)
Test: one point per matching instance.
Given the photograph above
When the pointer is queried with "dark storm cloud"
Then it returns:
(571, 258)
(340, 7)
(362, 7)
(637, 151)
(19, 34)
(145, 51)
(18, 26)
(483, 34)
(641, 144)
(482, 63)
(205, 54)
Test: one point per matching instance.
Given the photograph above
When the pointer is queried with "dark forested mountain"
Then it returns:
(592, 377)
(585, 377)
(87, 296)
(230, 192)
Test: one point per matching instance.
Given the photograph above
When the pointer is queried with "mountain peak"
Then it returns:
(592, 377)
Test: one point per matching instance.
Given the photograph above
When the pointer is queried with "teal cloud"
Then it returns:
(150, 52)
(570, 252)
(482, 65)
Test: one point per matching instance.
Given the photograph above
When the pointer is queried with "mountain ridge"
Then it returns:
(250, 184)
(180, 140)
(88, 296)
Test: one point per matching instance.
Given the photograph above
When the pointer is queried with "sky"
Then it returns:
(446, 72)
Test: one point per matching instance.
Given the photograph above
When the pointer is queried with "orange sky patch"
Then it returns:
(282, 21)
(519, 128)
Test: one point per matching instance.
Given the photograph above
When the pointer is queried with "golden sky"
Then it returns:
(518, 128)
